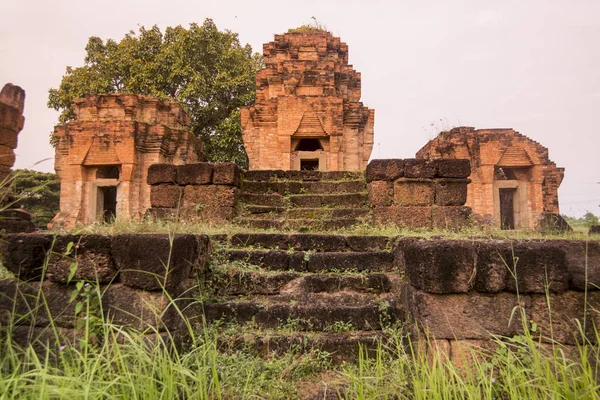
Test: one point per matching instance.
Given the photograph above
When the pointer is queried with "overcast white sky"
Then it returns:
(426, 65)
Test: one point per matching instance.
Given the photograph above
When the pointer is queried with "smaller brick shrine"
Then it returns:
(307, 114)
(514, 185)
(103, 155)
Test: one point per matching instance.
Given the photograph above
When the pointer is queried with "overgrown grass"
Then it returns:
(121, 226)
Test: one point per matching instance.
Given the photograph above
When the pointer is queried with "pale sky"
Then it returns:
(426, 66)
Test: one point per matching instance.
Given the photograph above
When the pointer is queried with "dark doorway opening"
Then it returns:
(309, 165)
(309, 145)
(109, 201)
(507, 208)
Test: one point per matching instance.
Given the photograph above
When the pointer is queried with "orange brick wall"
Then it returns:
(307, 75)
(12, 103)
(491, 148)
(128, 131)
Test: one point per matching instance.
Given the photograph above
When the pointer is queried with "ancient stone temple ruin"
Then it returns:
(103, 155)
(307, 114)
(513, 182)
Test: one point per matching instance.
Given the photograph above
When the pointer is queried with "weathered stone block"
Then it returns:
(538, 266)
(264, 240)
(594, 230)
(226, 174)
(24, 254)
(441, 266)
(466, 316)
(469, 353)
(194, 174)
(162, 173)
(165, 196)
(411, 216)
(91, 255)
(11, 118)
(381, 193)
(451, 218)
(8, 138)
(409, 192)
(7, 156)
(385, 170)
(318, 242)
(583, 263)
(417, 168)
(275, 260)
(368, 243)
(139, 309)
(155, 261)
(210, 195)
(565, 317)
(452, 168)
(350, 261)
(450, 192)
(493, 258)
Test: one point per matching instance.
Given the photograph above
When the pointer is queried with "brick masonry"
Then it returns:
(307, 90)
(127, 133)
(200, 192)
(418, 193)
(502, 158)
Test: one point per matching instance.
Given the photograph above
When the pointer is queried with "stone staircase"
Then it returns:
(299, 200)
(303, 291)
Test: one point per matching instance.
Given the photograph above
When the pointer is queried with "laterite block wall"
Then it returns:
(419, 193)
(202, 191)
(132, 273)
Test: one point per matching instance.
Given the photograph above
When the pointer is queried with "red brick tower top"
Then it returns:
(307, 107)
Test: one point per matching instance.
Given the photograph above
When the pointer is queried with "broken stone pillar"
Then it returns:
(103, 155)
(12, 103)
(307, 114)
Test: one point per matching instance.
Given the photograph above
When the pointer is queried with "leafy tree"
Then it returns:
(206, 70)
(38, 193)
(590, 219)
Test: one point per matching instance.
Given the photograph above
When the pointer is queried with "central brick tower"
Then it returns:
(307, 114)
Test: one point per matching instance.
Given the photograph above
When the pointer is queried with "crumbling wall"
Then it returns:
(418, 193)
(200, 192)
(460, 292)
(134, 281)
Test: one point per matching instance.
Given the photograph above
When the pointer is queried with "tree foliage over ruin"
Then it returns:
(38, 193)
(206, 70)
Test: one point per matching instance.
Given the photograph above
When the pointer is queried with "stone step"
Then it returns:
(280, 260)
(342, 346)
(311, 242)
(309, 213)
(302, 317)
(307, 176)
(236, 282)
(330, 200)
(305, 200)
(290, 187)
(298, 224)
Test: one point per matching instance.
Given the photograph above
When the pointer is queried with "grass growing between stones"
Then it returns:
(121, 226)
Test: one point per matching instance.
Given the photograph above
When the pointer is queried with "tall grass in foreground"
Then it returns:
(127, 365)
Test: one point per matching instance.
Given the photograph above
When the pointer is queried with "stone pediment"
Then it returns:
(310, 125)
(101, 152)
(515, 157)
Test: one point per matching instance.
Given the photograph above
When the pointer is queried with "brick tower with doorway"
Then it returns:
(103, 154)
(307, 114)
